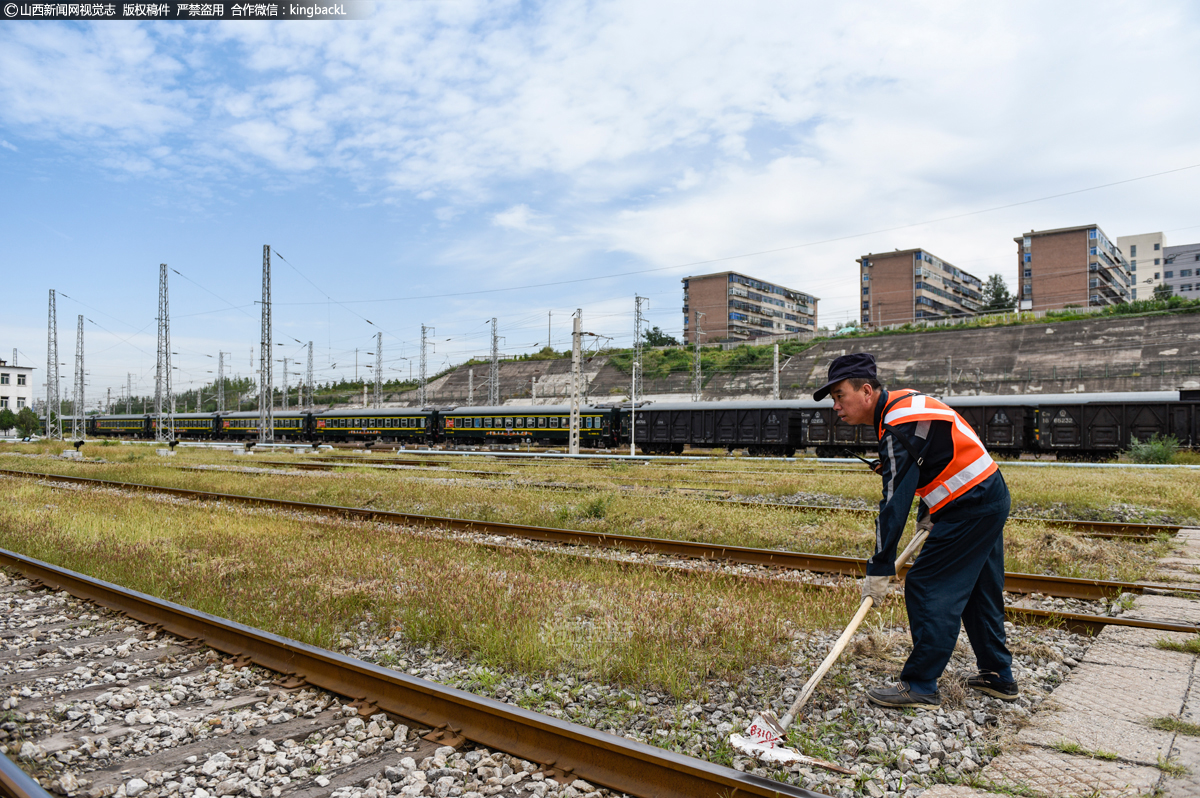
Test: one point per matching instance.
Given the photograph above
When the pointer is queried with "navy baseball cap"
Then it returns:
(860, 365)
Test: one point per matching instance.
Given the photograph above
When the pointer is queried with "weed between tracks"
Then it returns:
(528, 611)
(1031, 547)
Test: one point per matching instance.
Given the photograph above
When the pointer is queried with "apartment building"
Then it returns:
(737, 307)
(913, 284)
(1147, 249)
(1181, 270)
(1076, 266)
(16, 388)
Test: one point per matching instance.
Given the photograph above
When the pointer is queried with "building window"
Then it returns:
(1156, 277)
(1133, 266)
(866, 291)
(1028, 257)
(1185, 272)
(1028, 242)
(3, 379)
(866, 306)
(1185, 287)
(20, 402)
(20, 379)
(1168, 275)
(1156, 247)
(1157, 261)
(3, 402)
(1092, 233)
(1133, 250)
(867, 277)
(1028, 290)
(1029, 272)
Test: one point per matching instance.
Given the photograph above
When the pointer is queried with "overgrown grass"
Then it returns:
(1031, 547)
(1173, 724)
(521, 610)
(1189, 646)
(1158, 449)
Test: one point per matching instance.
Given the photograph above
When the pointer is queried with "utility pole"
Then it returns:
(576, 358)
(470, 386)
(78, 428)
(221, 381)
(53, 406)
(636, 372)
(285, 383)
(128, 393)
(14, 359)
(494, 371)
(422, 368)
(775, 388)
(549, 334)
(378, 370)
(164, 424)
(308, 380)
(266, 385)
(697, 376)
(108, 402)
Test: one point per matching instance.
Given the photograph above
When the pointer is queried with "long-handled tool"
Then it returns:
(766, 732)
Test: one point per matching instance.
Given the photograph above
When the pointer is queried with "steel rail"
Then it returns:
(608, 760)
(1106, 529)
(1014, 582)
(16, 783)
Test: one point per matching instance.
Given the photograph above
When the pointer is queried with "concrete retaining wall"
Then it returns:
(1147, 353)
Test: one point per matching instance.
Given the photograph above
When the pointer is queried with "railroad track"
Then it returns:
(102, 703)
(827, 564)
(1099, 529)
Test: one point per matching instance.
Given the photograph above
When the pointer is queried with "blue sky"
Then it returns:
(463, 150)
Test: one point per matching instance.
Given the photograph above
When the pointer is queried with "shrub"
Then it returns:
(1159, 449)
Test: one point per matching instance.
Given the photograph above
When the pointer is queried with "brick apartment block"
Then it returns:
(1077, 266)
(912, 284)
(737, 308)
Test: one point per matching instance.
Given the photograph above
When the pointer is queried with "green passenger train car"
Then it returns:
(541, 424)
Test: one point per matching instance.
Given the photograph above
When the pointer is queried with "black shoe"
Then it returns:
(899, 696)
(988, 682)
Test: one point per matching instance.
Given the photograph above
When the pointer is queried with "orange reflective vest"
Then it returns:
(971, 463)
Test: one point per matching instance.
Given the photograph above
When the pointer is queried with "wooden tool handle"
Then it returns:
(811, 685)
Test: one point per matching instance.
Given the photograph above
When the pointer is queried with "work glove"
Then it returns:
(925, 524)
(875, 466)
(876, 587)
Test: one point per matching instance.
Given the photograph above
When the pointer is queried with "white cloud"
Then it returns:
(8, 146)
(668, 132)
(522, 218)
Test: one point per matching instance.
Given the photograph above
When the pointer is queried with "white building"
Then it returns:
(16, 388)
(1181, 270)
(1145, 253)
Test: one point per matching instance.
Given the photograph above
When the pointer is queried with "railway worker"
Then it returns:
(927, 449)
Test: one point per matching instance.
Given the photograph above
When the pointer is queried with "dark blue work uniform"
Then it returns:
(959, 574)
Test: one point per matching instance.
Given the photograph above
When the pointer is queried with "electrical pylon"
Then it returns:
(164, 422)
(266, 383)
(78, 427)
(53, 405)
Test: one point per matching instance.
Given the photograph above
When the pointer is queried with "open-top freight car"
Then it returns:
(548, 425)
(766, 427)
(1103, 424)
